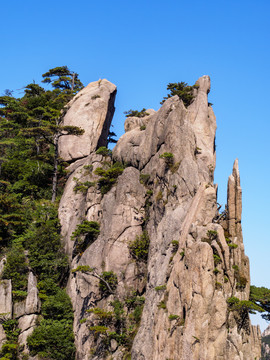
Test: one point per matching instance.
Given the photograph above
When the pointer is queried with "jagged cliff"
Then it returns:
(164, 197)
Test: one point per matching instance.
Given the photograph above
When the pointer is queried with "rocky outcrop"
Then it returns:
(91, 109)
(266, 343)
(26, 311)
(195, 267)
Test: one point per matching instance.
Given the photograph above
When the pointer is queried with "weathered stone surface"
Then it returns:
(173, 200)
(234, 202)
(91, 109)
(31, 305)
(26, 324)
(133, 122)
(2, 336)
(6, 299)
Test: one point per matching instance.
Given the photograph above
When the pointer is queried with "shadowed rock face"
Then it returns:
(173, 198)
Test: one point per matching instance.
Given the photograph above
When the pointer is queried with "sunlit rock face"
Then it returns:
(196, 260)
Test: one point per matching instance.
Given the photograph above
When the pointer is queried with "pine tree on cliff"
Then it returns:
(37, 117)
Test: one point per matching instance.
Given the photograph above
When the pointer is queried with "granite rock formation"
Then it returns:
(165, 195)
(266, 344)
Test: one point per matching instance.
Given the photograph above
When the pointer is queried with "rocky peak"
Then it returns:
(162, 256)
(91, 109)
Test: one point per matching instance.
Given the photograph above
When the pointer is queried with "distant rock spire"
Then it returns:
(234, 201)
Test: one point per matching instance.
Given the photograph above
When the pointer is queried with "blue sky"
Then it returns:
(141, 46)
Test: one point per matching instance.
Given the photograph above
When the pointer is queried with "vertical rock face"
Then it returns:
(196, 262)
(265, 343)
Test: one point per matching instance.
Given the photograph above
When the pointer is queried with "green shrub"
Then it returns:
(104, 151)
(241, 283)
(82, 186)
(10, 347)
(144, 179)
(142, 127)
(162, 305)
(98, 329)
(218, 285)
(217, 259)
(139, 247)
(182, 90)
(161, 287)
(111, 278)
(243, 306)
(108, 177)
(84, 235)
(136, 113)
(16, 268)
(167, 156)
(104, 317)
(43, 241)
(173, 317)
(175, 246)
(233, 246)
(82, 268)
(133, 300)
(216, 271)
(212, 234)
(52, 339)
(19, 295)
(58, 307)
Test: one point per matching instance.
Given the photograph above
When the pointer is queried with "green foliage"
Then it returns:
(217, 259)
(19, 295)
(58, 307)
(42, 239)
(82, 268)
(139, 247)
(98, 329)
(235, 268)
(173, 317)
(104, 151)
(16, 269)
(182, 90)
(161, 287)
(144, 179)
(218, 285)
(82, 186)
(142, 127)
(168, 157)
(10, 348)
(84, 235)
(162, 305)
(133, 300)
(175, 246)
(232, 246)
(62, 78)
(261, 297)
(136, 113)
(243, 306)
(216, 271)
(108, 176)
(110, 278)
(104, 317)
(52, 339)
(11, 329)
(212, 234)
